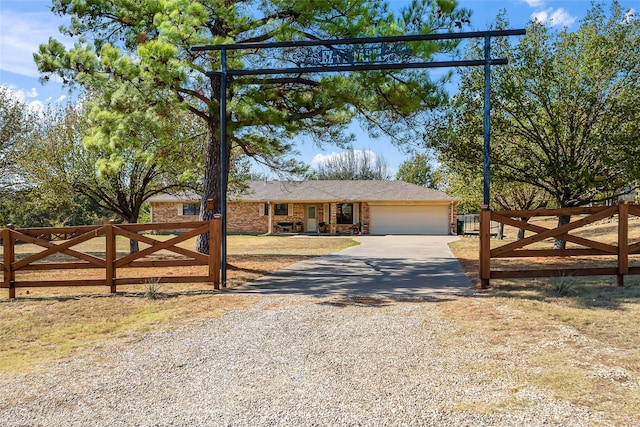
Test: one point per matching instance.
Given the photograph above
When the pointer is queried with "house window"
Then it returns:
(191, 209)
(344, 215)
(266, 209)
(281, 209)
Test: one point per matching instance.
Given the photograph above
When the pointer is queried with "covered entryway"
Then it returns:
(409, 219)
(311, 219)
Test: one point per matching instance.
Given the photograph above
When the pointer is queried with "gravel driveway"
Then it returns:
(291, 360)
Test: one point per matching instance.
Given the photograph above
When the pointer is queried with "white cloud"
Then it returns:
(22, 95)
(36, 106)
(33, 93)
(534, 3)
(58, 100)
(555, 18)
(318, 159)
(629, 16)
(20, 36)
(27, 98)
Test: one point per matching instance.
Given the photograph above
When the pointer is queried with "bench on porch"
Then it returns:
(285, 227)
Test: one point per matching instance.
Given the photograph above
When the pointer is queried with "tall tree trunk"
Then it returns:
(214, 184)
(211, 184)
(562, 220)
(500, 235)
(134, 245)
(522, 230)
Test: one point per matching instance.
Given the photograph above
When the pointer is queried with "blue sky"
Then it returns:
(25, 24)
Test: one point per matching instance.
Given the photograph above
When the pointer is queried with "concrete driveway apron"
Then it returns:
(414, 266)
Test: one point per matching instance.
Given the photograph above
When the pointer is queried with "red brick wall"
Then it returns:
(169, 212)
(247, 218)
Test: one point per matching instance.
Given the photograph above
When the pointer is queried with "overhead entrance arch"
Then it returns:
(356, 54)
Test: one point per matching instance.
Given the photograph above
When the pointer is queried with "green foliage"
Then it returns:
(145, 47)
(418, 170)
(15, 120)
(145, 214)
(142, 50)
(565, 112)
(35, 208)
(117, 178)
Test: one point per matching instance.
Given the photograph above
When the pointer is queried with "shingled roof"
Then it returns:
(328, 191)
(332, 191)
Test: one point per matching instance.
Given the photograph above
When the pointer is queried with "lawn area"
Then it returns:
(578, 335)
(46, 324)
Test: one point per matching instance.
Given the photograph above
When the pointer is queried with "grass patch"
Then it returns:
(47, 324)
(577, 336)
(37, 332)
(563, 286)
(152, 288)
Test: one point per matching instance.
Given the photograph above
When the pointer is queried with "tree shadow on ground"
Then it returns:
(377, 300)
(594, 292)
(343, 274)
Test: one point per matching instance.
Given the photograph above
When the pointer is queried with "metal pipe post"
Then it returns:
(223, 165)
(487, 115)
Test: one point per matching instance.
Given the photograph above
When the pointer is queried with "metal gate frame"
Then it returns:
(487, 61)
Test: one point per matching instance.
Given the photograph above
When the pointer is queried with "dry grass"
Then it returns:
(46, 324)
(581, 345)
(581, 348)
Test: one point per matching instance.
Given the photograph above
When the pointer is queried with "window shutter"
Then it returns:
(260, 209)
(356, 213)
(290, 209)
(325, 213)
(180, 209)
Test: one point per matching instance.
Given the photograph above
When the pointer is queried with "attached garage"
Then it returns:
(409, 219)
(324, 206)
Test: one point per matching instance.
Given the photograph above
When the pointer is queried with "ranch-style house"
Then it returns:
(339, 207)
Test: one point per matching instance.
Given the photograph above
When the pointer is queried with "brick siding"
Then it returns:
(249, 217)
(170, 212)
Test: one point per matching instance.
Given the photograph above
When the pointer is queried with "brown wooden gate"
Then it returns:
(111, 262)
(588, 247)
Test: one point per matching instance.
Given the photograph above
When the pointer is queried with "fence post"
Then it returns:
(215, 231)
(9, 256)
(110, 256)
(485, 246)
(623, 241)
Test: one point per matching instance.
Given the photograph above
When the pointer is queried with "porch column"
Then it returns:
(333, 217)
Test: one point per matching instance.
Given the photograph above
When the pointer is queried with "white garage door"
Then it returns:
(409, 220)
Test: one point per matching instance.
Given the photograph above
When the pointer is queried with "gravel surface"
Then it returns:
(290, 361)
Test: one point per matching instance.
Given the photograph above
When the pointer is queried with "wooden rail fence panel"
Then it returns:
(8, 258)
(590, 247)
(111, 263)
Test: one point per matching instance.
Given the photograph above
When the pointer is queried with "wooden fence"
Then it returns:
(587, 247)
(111, 262)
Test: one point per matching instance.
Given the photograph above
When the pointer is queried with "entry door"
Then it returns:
(312, 219)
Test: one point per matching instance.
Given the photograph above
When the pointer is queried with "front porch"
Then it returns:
(336, 218)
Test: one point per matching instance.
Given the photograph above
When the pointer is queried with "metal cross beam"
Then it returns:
(330, 44)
